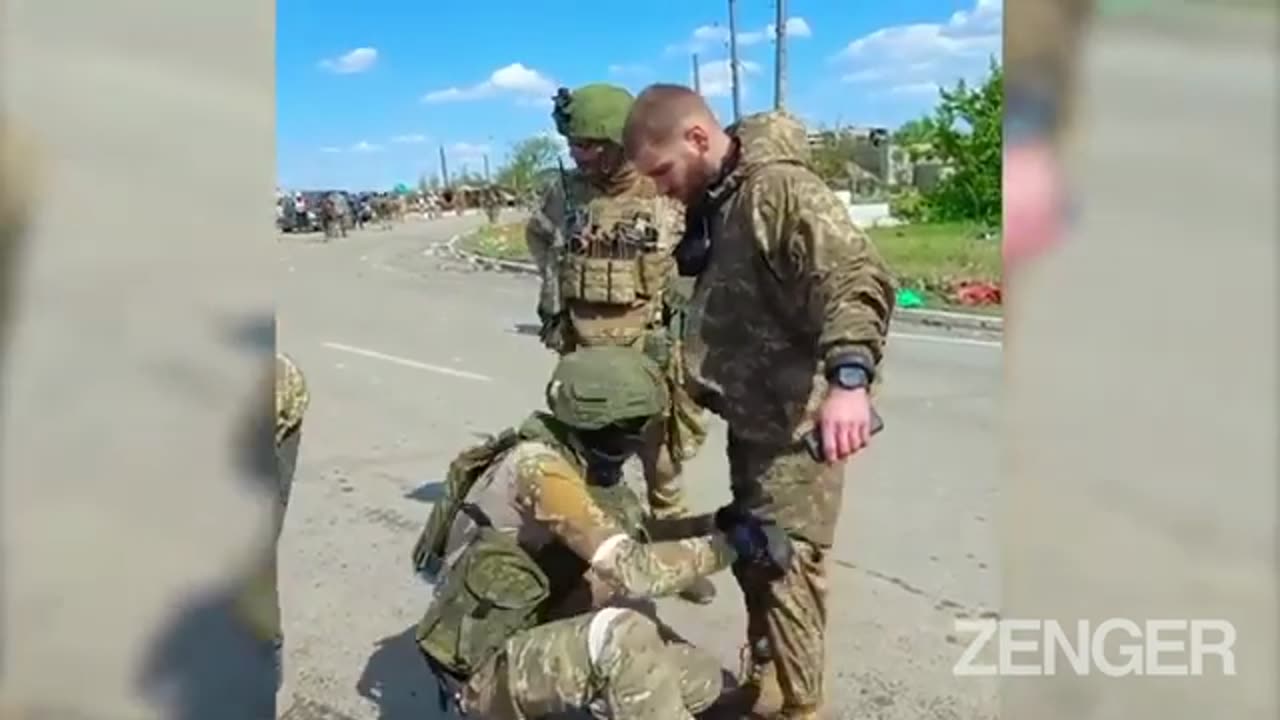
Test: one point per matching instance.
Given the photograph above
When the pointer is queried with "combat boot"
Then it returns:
(758, 696)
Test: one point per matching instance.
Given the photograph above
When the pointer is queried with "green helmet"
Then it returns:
(597, 386)
(592, 112)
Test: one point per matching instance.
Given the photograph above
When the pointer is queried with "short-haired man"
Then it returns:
(786, 332)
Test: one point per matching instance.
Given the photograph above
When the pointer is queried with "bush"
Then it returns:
(909, 206)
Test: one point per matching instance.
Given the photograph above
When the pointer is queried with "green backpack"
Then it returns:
(494, 591)
(466, 468)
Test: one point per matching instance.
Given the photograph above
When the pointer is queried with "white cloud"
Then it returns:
(364, 146)
(515, 79)
(356, 61)
(920, 88)
(331, 150)
(717, 81)
(708, 37)
(927, 54)
(468, 151)
(629, 70)
(798, 27)
(411, 139)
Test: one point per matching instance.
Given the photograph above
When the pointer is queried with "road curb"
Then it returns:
(932, 318)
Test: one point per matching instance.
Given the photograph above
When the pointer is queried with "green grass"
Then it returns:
(925, 258)
(950, 251)
(504, 241)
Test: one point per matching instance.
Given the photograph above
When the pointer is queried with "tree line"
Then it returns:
(963, 135)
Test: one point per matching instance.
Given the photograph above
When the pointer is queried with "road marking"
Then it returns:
(947, 340)
(407, 362)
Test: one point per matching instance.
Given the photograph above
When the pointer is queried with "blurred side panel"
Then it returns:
(129, 502)
(1141, 366)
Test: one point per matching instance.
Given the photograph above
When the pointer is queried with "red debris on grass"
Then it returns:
(975, 293)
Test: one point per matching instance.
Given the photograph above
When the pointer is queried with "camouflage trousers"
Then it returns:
(613, 664)
(669, 444)
(334, 228)
(787, 618)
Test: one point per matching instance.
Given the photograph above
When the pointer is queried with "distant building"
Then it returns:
(884, 162)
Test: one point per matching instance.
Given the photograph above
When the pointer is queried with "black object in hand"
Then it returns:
(813, 438)
(758, 543)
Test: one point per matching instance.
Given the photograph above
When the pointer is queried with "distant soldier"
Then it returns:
(492, 205)
(333, 216)
(603, 240)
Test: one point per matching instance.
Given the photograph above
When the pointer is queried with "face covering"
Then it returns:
(694, 248)
(608, 448)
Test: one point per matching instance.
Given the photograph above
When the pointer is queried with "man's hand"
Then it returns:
(1034, 202)
(760, 544)
(844, 422)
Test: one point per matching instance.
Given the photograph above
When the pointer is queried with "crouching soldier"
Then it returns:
(538, 544)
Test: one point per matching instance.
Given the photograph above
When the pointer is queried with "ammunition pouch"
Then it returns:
(615, 281)
(601, 280)
(494, 591)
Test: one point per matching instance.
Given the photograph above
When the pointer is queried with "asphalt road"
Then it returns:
(410, 354)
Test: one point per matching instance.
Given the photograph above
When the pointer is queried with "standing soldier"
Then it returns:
(259, 601)
(788, 322)
(603, 241)
(542, 545)
(1041, 52)
(493, 205)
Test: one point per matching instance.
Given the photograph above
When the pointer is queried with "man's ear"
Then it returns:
(697, 136)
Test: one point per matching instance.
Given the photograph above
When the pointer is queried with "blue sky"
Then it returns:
(368, 92)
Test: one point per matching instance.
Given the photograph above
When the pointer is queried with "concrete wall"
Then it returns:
(867, 214)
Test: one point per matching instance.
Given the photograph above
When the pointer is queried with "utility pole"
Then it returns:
(486, 167)
(780, 60)
(697, 75)
(733, 60)
(444, 167)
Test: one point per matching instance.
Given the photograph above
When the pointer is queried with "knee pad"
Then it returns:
(615, 630)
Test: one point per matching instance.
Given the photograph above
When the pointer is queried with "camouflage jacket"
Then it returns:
(536, 494)
(791, 288)
(292, 396)
(1041, 47)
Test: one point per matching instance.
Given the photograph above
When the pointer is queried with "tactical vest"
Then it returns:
(615, 271)
(496, 588)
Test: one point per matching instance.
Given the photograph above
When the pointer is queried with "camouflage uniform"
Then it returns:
(1041, 46)
(788, 274)
(604, 251)
(259, 600)
(572, 644)
(333, 216)
(492, 205)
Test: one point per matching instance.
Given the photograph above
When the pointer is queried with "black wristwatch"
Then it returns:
(1030, 113)
(850, 376)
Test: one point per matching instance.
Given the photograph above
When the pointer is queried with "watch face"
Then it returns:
(851, 377)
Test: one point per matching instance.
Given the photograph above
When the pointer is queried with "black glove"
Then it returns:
(759, 544)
